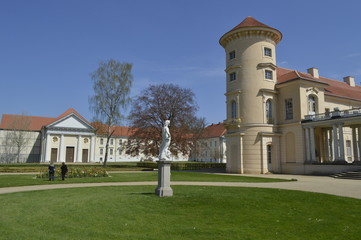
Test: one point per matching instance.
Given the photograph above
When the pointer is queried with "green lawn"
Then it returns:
(134, 212)
(24, 180)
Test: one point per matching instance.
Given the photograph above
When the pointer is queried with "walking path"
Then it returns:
(328, 185)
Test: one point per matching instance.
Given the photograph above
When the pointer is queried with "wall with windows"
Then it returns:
(341, 104)
(289, 104)
(117, 150)
(30, 152)
(211, 150)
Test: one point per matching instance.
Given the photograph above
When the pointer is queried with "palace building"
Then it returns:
(278, 120)
(282, 120)
(66, 138)
(71, 138)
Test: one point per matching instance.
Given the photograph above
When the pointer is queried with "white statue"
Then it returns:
(164, 153)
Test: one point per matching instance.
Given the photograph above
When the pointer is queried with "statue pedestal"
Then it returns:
(164, 189)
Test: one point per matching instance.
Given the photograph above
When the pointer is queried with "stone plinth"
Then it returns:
(164, 189)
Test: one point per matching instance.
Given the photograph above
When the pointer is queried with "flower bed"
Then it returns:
(75, 172)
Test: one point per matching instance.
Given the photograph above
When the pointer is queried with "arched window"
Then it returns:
(233, 109)
(312, 105)
(269, 116)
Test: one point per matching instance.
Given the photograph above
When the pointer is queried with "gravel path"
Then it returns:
(328, 185)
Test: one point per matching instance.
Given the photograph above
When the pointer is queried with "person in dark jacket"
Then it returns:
(51, 169)
(64, 170)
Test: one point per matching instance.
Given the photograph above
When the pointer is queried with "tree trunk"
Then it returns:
(18, 155)
(106, 153)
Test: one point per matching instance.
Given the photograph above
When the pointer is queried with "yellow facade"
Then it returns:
(279, 120)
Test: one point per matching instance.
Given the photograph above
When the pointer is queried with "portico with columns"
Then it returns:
(68, 139)
(333, 138)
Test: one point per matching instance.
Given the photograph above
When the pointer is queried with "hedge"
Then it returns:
(185, 165)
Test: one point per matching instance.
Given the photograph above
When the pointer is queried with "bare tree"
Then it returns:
(111, 84)
(16, 138)
(151, 108)
(197, 128)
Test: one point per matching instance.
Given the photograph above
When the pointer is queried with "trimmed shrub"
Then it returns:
(185, 165)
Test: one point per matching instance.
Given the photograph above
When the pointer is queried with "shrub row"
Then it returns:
(185, 165)
(76, 172)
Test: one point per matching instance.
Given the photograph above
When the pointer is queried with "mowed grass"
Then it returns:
(134, 212)
(25, 180)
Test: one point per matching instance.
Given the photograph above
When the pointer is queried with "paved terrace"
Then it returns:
(320, 184)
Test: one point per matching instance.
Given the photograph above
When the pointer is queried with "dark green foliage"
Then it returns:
(185, 165)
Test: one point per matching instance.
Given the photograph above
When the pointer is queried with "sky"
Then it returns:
(49, 48)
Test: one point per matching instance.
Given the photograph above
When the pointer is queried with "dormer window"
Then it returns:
(268, 52)
(232, 55)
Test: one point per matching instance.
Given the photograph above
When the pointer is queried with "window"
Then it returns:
(233, 109)
(111, 141)
(232, 55)
(101, 151)
(268, 52)
(232, 76)
(268, 75)
(348, 148)
(111, 151)
(311, 105)
(269, 111)
(289, 109)
(101, 141)
(269, 154)
(120, 151)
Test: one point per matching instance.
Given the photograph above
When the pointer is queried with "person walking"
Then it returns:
(51, 169)
(64, 170)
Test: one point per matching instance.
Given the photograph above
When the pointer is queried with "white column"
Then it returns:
(47, 148)
(335, 143)
(78, 158)
(359, 143)
(325, 144)
(92, 149)
(61, 149)
(355, 145)
(241, 153)
(341, 142)
(312, 142)
(307, 144)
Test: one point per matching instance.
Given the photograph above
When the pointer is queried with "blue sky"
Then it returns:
(49, 48)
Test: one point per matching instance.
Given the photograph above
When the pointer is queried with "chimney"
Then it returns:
(313, 71)
(349, 80)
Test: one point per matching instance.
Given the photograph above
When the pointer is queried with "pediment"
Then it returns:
(71, 122)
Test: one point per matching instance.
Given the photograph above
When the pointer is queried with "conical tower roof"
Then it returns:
(250, 24)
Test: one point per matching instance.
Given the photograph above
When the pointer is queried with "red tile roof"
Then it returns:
(70, 111)
(35, 123)
(30, 123)
(250, 22)
(118, 130)
(332, 87)
(214, 130)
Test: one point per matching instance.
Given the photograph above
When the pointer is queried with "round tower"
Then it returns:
(251, 97)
